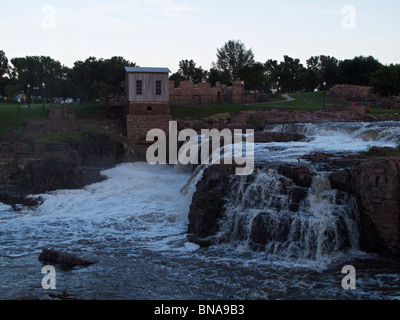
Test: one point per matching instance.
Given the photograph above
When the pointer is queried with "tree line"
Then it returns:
(87, 80)
(236, 62)
(98, 78)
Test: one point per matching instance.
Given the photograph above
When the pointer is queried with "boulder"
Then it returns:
(208, 203)
(302, 176)
(16, 201)
(62, 258)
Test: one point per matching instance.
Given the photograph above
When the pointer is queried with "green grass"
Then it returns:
(308, 101)
(303, 102)
(373, 152)
(69, 136)
(65, 136)
(384, 112)
(9, 114)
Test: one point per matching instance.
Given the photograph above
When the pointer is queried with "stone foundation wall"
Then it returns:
(137, 126)
(134, 108)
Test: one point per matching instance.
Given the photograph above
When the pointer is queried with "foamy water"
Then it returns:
(338, 137)
(134, 225)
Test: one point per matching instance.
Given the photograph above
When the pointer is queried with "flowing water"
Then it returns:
(134, 225)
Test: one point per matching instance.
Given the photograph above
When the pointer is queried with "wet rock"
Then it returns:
(16, 201)
(62, 258)
(68, 164)
(297, 194)
(301, 176)
(266, 137)
(63, 296)
(340, 180)
(208, 204)
(41, 176)
(376, 185)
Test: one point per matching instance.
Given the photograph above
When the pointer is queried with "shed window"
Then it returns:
(158, 87)
(139, 87)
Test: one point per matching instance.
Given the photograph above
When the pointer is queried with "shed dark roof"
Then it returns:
(147, 70)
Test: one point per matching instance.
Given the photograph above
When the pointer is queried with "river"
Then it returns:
(134, 224)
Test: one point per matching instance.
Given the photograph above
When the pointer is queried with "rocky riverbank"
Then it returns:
(260, 119)
(34, 167)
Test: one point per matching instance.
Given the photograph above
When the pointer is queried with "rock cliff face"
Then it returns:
(373, 182)
(39, 168)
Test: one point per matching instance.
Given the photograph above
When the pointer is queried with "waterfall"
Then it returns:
(190, 185)
(268, 212)
(384, 132)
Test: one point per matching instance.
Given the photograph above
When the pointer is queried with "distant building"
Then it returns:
(147, 102)
(147, 90)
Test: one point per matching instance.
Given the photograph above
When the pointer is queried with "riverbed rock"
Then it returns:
(208, 203)
(267, 137)
(41, 176)
(375, 183)
(301, 175)
(16, 201)
(62, 258)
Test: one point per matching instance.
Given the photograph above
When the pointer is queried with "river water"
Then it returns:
(134, 226)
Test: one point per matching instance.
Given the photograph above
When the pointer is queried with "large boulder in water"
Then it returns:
(62, 258)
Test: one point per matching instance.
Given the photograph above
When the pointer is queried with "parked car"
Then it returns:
(69, 101)
(59, 100)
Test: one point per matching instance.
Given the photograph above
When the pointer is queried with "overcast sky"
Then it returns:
(160, 33)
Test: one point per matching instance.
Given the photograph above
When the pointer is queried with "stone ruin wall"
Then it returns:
(189, 93)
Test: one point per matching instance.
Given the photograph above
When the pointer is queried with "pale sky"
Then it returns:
(160, 33)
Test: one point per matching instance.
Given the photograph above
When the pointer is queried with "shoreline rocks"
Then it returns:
(40, 167)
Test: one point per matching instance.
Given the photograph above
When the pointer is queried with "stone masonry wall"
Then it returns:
(134, 108)
(189, 93)
(137, 126)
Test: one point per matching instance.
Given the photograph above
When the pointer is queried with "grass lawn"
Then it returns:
(309, 101)
(9, 114)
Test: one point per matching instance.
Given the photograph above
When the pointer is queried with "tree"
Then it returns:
(272, 73)
(234, 57)
(254, 76)
(216, 75)
(34, 70)
(292, 74)
(177, 78)
(324, 69)
(311, 80)
(188, 71)
(4, 67)
(386, 81)
(99, 78)
(358, 71)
